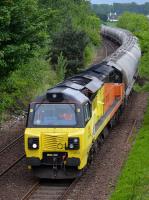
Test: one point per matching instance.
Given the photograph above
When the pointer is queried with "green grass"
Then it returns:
(133, 183)
(89, 54)
(112, 24)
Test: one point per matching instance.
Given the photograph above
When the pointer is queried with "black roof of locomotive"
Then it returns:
(101, 70)
(80, 87)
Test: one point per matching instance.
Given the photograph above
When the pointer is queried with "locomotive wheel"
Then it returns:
(95, 147)
(90, 157)
(105, 132)
(115, 118)
(100, 139)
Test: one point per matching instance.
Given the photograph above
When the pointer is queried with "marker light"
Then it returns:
(73, 143)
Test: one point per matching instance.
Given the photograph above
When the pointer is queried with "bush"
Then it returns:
(24, 84)
(72, 44)
(61, 67)
(22, 32)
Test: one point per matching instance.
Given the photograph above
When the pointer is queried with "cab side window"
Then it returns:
(87, 112)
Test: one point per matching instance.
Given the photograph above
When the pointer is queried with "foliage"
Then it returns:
(24, 83)
(72, 44)
(136, 23)
(90, 53)
(77, 27)
(35, 32)
(101, 9)
(22, 31)
(61, 67)
(112, 24)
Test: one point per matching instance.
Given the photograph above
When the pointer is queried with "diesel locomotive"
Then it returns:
(65, 125)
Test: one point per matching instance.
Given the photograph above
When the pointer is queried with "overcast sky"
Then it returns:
(118, 1)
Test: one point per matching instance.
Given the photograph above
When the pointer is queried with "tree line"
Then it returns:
(102, 10)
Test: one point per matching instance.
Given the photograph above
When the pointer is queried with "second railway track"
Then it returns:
(11, 154)
(12, 143)
(109, 47)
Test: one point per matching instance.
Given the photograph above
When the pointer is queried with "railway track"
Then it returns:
(109, 47)
(5, 170)
(12, 143)
(10, 156)
(51, 190)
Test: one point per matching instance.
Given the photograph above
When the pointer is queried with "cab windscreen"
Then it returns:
(54, 115)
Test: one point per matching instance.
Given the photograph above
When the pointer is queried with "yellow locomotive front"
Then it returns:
(57, 139)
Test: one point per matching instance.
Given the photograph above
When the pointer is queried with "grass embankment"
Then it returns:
(133, 183)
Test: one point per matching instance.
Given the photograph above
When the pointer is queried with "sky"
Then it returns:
(118, 1)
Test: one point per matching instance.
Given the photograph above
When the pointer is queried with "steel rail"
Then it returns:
(31, 191)
(58, 192)
(12, 165)
(11, 143)
(132, 130)
(66, 193)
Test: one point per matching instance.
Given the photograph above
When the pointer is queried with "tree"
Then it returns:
(22, 31)
(61, 67)
(72, 44)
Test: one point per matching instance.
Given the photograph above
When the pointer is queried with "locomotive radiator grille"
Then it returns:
(53, 142)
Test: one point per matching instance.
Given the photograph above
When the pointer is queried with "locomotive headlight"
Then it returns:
(73, 143)
(71, 146)
(34, 146)
(33, 143)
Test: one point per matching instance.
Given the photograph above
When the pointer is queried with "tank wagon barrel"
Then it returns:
(66, 124)
(126, 57)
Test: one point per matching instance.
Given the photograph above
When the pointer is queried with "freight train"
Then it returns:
(66, 124)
